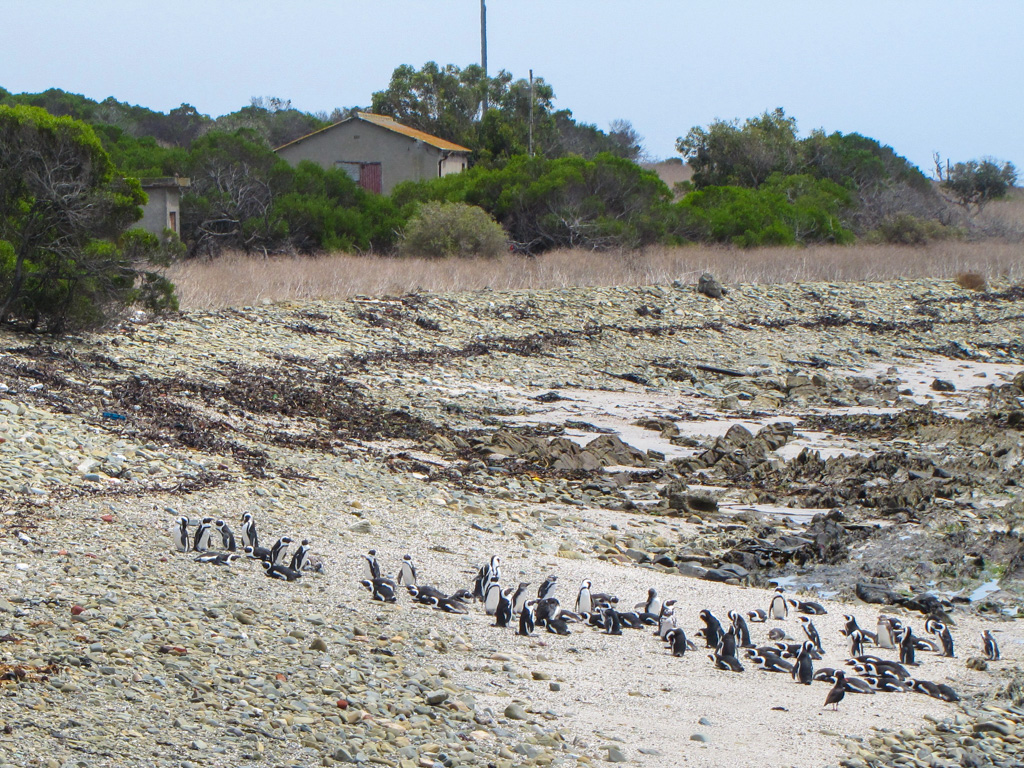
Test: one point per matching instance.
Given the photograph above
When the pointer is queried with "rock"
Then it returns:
(318, 644)
(436, 697)
(554, 686)
(540, 675)
(943, 385)
(878, 594)
(709, 286)
(515, 712)
(615, 755)
(977, 663)
(698, 737)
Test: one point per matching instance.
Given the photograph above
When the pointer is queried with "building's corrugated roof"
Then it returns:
(392, 125)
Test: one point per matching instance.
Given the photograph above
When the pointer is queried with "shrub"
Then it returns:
(440, 230)
(907, 229)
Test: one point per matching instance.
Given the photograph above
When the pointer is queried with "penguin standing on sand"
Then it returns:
(492, 598)
(941, 631)
(520, 597)
(667, 619)
(727, 643)
(371, 568)
(856, 638)
(651, 605)
(526, 625)
(739, 624)
(181, 537)
(299, 558)
(407, 574)
(227, 537)
(584, 601)
(778, 608)
(712, 628)
(201, 542)
(503, 613)
(989, 646)
(547, 589)
(803, 670)
(812, 633)
(883, 633)
(612, 622)
(278, 552)
(678, 642)
(838, 691)
(908, 646)
(249, 537)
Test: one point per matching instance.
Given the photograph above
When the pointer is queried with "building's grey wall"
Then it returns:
(156, 214)
(455, 163)
(358, 141)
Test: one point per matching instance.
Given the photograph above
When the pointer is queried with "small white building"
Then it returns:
(162, 210)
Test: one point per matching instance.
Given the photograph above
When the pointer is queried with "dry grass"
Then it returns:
(236, 280)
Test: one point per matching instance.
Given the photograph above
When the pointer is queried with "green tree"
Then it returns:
(67, 257)
(976, 183)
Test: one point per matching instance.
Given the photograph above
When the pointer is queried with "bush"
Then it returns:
(906, 229)
(440, 230)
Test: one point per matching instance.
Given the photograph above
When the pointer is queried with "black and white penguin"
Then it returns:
(883, 633)
(227, 537)
(908, 647)
(850, 624)
(371, 568)
(856, 685)
(947, 693)
(503, 613)
(257, 553)
(526, 624)
(547, 589)
(856, 640)
(812, 633)
(283, 572)
(217, 558)
(557, 625)
(299, 558)
(382, 590)
(838, 691)
(546, 609)
(727, 643)
(667, 619)
(632, 619)
(942, 632)
(778, 633)
(875, 665)
(757, 616)
(462, 595)
(739, 625)
(712, 628)
(492, 598)
(989, 646)
(520, 597)
(249, 536)
(651, 605)
(778, 608)
(803, 670)
(450, 604)
(767, 661)
(886, 684)
(808, 606)
(728, 663)
(279, 551)
(407, 573)
(677, 641)
(201, 542)
(825, 675)
(584, 601)
(612, 622)
(181, 537)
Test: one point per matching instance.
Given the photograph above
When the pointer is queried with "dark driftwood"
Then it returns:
(716, 369)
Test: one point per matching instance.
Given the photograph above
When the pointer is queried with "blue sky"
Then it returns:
(920, 76)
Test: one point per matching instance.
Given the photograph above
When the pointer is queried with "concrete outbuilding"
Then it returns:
(163, 210)
(378, 152)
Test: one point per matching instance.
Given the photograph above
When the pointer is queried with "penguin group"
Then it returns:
(276, 562)
(730, 646)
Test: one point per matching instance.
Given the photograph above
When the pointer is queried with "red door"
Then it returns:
(370, 177)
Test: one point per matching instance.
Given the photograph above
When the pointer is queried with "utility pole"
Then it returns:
(531, 113)
(483, 51)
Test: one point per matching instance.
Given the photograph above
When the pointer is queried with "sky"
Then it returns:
(922, 77)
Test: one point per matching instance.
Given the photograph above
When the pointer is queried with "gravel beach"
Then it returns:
(427, 424)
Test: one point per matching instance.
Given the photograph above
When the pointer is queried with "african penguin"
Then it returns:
(727, 643)
(612, 622)
(492, 598)
(278, 552)
(257, 553)
(678, 642)
(283, 572)
(908, 646)
(547, 589)
(371, 568)
(712, 629)
(807, 606)
(757, 616)
(520, 597)
(299, 558)
(249, 537)
(883, 633)
(652, 604)
(201, 542)
(503, 613)
(227, 537)
(728, 663)
(667, 620)
(989, 646)
(742, 631)
(217, 558)
(584, 602)
(856, 640)
(941, 631)
(803, 670)
(407, 573)
(526, 624)
(778, 608)
(181, 537)
(812, 633)
(382, 590)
